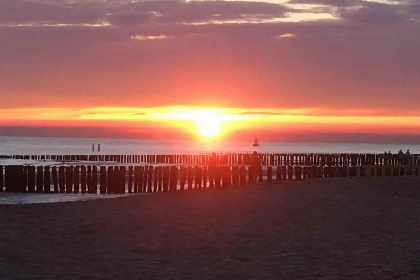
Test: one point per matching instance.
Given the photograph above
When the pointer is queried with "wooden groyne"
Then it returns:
(149, 178)
(233, 159)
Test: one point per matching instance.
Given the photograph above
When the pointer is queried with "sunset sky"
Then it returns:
(297, 70)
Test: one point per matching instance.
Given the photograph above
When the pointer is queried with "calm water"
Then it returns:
(58, 145)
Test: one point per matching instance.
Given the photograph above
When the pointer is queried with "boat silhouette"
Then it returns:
(256, 142)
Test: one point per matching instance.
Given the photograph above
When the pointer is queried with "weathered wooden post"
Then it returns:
(269, 174)
(89, 178)
(135, 176)
(278, 173)
(1, 178)
(130, 179)
(242, 176)
(83, 178)
(8, 177)
(121, 181)
(250, 176)
(61, 179)
(76, 179)
(39, 179)
(111, 180)
(190, 177)
(217, 177)
(198, 177)
(226, 176)
(182, 177)
(102, 180)
(155, 179)
(159, 178)
(166, 175)
(47, 180)
(94, 184)
(69, 179)
(11, 176)
(205, 176)
(235, 176)
(173, 178)
(260, 174)
(142, 179)
(145, 179)
(149, 178)
(284, 172)
(298, 172)
(55, 179)
(289, 172)
(31, 179)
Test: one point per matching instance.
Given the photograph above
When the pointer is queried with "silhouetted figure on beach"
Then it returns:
(400, 157)
(388, 157)
(212, 164)
(255, 164)
(407, 157)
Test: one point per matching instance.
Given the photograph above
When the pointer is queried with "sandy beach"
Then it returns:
(349, 228)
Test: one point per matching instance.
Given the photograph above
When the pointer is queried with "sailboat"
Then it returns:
(256, 142)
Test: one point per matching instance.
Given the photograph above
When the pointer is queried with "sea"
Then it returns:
(74, 146)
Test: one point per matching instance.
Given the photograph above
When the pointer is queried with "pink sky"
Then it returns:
(332, 58)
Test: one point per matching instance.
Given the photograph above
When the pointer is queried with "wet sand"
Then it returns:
(366, 228)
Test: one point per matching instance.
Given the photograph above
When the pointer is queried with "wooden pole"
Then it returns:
(298, 172)
(149, 178)
(173, 179)
(235, 176)
(217, 177)
(55, 179)
(130, 179)
(278, 173)
(242, 176)
(39, 179)
(182, 177)
(76, 179)
(83, 179)
(94, 184)
(69, 179)
(47, 179)
(269, 174)
(102, 180)
(155, 179)
(289, 172)
(205, 177)
(121, 181)
(250, 176)
(61, 179)
(190, 177)
(31, 179)
(1, 178)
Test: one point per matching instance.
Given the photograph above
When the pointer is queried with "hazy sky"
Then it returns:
(331, 57)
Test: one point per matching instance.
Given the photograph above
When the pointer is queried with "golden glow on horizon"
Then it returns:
(216, 122)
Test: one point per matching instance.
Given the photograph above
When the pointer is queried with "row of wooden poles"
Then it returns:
(237, 159)
(145, 179)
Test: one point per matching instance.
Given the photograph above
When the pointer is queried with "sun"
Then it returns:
(209, 128)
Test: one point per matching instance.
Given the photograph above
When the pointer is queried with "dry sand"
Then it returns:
(366, 228)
